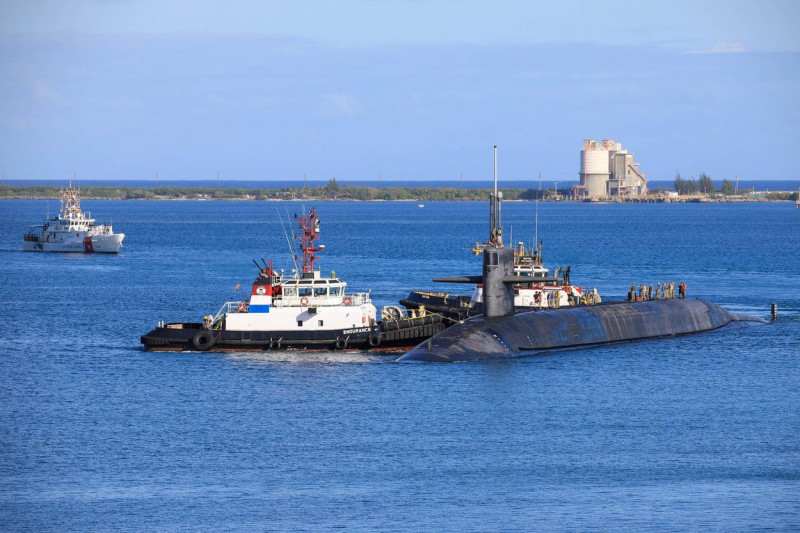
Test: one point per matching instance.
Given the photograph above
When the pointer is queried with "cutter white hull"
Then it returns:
(108, 244)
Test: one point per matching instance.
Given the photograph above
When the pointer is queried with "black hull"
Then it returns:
(398, 335)
(453, 307)
(532, 332)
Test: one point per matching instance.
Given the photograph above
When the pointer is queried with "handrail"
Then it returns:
(227, 307)
(355, 299)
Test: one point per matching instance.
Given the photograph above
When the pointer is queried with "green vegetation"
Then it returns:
(703, 185)
(331, 191)
(727, 187)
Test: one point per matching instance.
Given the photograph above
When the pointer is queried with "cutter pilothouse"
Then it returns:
(72, 230)
(308, 311)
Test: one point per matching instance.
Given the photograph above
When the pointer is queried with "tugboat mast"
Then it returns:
(310, 227)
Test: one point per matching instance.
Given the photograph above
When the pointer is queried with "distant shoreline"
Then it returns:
(334, 192)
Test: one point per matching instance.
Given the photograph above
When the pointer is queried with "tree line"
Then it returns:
(331, 191)
(702, 185)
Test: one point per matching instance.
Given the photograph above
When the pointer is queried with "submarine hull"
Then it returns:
(533, 331)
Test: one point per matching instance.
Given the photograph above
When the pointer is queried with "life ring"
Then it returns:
(242, 307)
(374, 341)
(275, 345)
(341, 344)
(203, 340)
(303, 301)
(348, 301)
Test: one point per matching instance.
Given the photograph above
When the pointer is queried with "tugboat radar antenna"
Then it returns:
(289, 242)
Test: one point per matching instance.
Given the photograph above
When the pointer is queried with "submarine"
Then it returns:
(501, 333)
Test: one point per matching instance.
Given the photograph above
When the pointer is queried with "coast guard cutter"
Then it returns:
(72, 230)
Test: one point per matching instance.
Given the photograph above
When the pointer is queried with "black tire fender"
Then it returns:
(203, 340)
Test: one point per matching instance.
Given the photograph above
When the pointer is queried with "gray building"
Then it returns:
(608, 170)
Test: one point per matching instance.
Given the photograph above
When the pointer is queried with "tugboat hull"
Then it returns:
(396, 335)
(531, 332)
(454, 307)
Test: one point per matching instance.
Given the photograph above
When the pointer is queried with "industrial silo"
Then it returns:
(594, 169)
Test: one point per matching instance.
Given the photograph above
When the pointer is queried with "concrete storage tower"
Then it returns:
(594, 168)
(609, 170)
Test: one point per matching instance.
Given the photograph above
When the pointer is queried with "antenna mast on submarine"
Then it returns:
(495, 228)
(536, 227)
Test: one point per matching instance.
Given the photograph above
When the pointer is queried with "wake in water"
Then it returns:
(311, 357)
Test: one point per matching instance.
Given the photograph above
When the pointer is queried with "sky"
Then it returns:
(401, 89)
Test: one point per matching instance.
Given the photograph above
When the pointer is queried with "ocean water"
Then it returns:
(692, 433)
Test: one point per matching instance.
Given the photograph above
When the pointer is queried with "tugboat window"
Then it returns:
(299, 323)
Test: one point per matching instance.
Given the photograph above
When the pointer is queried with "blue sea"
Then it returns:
(694, 433)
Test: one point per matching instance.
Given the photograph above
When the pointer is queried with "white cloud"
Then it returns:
(722, 48)
(338, 104)
(48, 95)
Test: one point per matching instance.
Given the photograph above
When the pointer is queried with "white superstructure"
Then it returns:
(306, 305)
(543, 291)
(72, 230)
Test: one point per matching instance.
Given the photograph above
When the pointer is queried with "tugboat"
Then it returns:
(306, 312)
(539, 290)
(72, 230)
